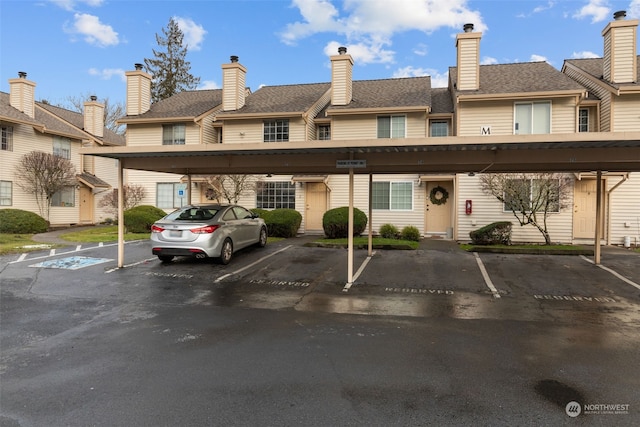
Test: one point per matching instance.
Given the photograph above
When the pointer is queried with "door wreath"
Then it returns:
(438, 195)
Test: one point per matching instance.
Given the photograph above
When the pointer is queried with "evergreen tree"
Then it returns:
(169, 69)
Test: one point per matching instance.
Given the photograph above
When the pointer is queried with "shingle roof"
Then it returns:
(594, 67)
(390, 93)
(441, 101)
(92, 180)
(77, 121)
(522, 77)
(190, 103)
(10, 113)
(283, 99)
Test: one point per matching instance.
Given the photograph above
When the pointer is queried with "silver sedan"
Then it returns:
(203, 231)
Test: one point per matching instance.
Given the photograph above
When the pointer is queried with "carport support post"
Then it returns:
(120, 214)
(596, 251)
(350, 239)
(370, 242)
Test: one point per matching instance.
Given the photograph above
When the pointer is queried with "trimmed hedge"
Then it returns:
(496, 233)
(281, 222)
(410, 233)
(335, 222)
(21, 222)
(389, 231)
(141, 218)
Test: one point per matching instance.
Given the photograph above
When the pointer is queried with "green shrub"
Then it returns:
(141, 218)
(496, 233)
(389, 231)
(262, 213)
(282, 222)
(335, 222)
(21, 222)
(410, 233)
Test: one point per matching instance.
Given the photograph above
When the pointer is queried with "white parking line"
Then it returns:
(79, 248)
(251, 265)
(485, 275)
(359, 272)
(111, 270)
(618, 275)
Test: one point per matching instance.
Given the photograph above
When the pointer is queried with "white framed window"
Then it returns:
(392, 196)
(527, 194)
(6, 193)
(276, 195)
(583, 120)
(173, 134)
(392, 126)
(532, 118)
(171, 195)
(7, 138)
(62, 147)
(324, 132)
(276, 130)
(439, 128)
(65, 197)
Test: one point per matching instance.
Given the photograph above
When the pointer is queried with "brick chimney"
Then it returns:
(468, 61)
(234, 77)
(94, 117)
(22, 94)
(341, 78)
(620, 35)
(138, 91)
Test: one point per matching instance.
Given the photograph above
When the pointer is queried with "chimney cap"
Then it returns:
(22, 74)
(467, 28)
(342, 50)
(619, 15)
(138, 66)
(93, 98)
(234, 58)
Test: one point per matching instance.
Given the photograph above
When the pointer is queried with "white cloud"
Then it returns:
(488, 60)
(93, 30)
(421, 49)
(193, 33)
(209, 84)
(366, 52)
(634, 9)
(437, 79)
(108, 73)
(368, 26)
(596, 9)
(538, 58)
(584, 54)
(70, 5)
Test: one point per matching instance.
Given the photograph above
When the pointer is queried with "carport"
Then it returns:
(597, 152)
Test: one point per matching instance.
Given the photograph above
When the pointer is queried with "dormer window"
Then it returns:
(173, 134)
(392, 126)
(276, 130)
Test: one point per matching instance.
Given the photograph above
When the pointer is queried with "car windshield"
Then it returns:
(192, 214)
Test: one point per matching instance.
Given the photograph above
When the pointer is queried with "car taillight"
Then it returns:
(205, 230)
(156, 229)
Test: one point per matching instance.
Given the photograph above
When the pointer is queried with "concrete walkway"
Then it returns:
(53, 237)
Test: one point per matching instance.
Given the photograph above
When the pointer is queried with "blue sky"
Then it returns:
(83, 47)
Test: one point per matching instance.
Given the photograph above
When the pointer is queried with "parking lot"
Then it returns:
(435, 335)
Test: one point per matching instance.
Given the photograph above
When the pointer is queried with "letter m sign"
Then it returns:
(485, 130)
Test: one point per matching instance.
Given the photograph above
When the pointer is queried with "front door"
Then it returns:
(584, 212)
(316, 198)
(86, 205)
(438, 212)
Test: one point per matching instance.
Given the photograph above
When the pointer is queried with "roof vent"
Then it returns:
(234, 58)
(619, 15)
(138, 66)
(342, 50)
(467, 28)
(22, 74)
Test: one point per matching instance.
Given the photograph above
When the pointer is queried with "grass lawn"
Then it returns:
(101, 234)
(19, 243)
(363, 242)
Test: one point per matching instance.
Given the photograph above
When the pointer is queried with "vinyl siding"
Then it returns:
(252, 131)
(603, 94)
(487, 210)
(627, 113)
(151, 134)
(625, 209)
(107, 170)
(366, 126)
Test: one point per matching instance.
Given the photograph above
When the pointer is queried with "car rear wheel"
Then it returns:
(165, 258)
(262, 241)
(227, 252)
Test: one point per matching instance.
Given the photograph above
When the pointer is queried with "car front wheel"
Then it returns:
(227, 252)
(262, 241)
